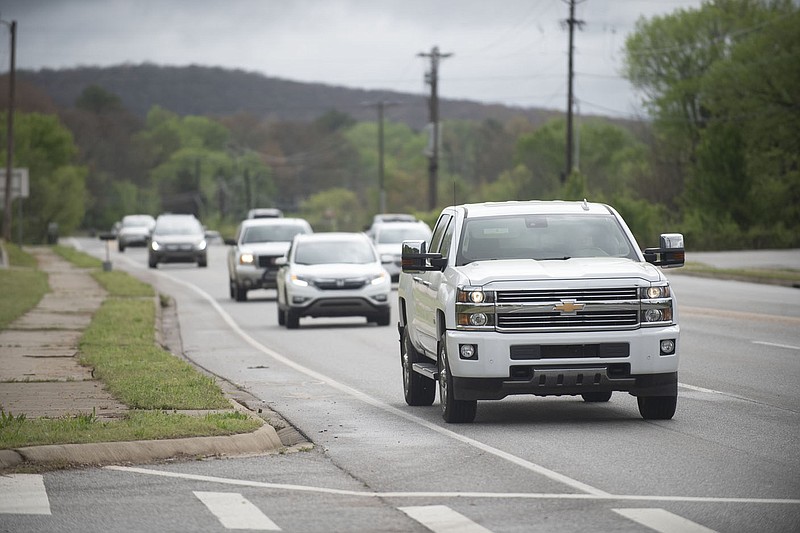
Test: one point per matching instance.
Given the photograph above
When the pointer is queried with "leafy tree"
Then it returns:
(333, 210)
(57, 186)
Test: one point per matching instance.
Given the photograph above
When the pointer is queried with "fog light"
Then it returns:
(380, 297)
(652, 315)
(468, 351)
(478, 319)
(667, 346)
(298, 299)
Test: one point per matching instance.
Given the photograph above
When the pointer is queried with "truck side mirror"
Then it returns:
(415, 257)
(670, 254)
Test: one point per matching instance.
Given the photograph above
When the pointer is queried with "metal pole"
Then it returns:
(10, 135)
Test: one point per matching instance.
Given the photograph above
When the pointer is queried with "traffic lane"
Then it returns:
(734, 297)
(757, 360)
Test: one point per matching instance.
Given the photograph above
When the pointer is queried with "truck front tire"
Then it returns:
(657, 407)
(453, 411)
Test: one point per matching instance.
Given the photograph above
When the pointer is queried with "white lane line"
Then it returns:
(23, 494)
(432, 494)
(533, 467)
(662, 521)
(442, 519)
(234, 511)
(776, 345)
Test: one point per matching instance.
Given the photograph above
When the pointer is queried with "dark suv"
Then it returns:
(177, 239)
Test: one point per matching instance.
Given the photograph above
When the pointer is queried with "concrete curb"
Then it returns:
(263, 440)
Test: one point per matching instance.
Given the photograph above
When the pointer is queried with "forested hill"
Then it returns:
(196, 90)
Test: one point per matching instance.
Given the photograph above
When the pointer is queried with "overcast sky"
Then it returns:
(504, 51)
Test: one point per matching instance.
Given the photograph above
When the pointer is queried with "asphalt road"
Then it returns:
(728, 461)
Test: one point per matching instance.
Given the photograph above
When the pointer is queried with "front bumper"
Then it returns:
(253, 277)
(367, 301)
(563, 363)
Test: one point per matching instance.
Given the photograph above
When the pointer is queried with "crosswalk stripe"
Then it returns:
(442, 519)
(662, 521)
(23, 494)
(234, 511)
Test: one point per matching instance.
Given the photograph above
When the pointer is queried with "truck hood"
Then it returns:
(275, 248)
(525, 270)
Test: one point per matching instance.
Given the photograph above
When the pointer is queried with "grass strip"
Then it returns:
(22, 286)
(755, 275)
(18, 432)
(119, 345)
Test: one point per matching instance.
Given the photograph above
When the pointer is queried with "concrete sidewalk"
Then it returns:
(40, 376)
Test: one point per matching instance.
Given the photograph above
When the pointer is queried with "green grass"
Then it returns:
(120, 284)
(77, 258)
(755, 275)
(18, 432)
(21, 285)
(120, 345)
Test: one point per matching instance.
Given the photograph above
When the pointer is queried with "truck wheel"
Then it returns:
(592, 397)
(657, 407)
(453, 411)
(418, 389)
(292, 319)
(240, 293)
(384, 319)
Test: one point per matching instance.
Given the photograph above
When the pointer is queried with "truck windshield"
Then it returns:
(543, 237)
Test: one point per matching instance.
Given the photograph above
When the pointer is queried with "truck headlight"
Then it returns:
(246, 259)
(474, 295)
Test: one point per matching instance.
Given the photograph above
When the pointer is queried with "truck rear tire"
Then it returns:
(453, 411)
(417, 389)
(657, 407)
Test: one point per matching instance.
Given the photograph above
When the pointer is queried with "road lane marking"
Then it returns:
(23, 494)
(523, 463)
(433, 494)
(442, 519)
(662, 521)
(234, 511)
(776, 345)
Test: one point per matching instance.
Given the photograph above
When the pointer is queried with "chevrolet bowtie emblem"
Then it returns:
(568, 306)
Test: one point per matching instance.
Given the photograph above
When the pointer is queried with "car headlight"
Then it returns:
(155, 246)
(246, 259)
(380, 278)
(299, 281)
(656, 305)
(475, 308)
(201, 245)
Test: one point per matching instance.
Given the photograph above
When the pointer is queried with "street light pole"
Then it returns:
(10, 139)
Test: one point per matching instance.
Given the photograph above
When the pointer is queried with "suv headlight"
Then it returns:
(656, 305)
(300, 281)
(380, 278)
(475, 308)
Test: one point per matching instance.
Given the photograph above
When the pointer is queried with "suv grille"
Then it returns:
(611, 308)
(339, 284)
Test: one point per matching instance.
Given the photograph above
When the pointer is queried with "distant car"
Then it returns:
(177, 239)
(254, 249)
(134, 230)
(389, 241)
(265, 212)
(383, 218)
(333, 274)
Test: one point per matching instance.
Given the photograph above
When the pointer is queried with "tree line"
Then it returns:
(718, 161)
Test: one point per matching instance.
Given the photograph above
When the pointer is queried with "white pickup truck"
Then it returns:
(541, 298)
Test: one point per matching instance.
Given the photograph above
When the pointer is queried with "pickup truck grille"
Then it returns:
(596, 309)
(556, 295)
(554, 320)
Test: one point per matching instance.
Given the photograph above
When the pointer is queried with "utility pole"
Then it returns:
(432, 79)
(381, 105)
(10, 133)
(571, 22)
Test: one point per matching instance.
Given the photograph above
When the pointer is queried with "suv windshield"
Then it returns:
(178, 226)
(340, 251)
(272, 233)
(543, 237)
(399, 234)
